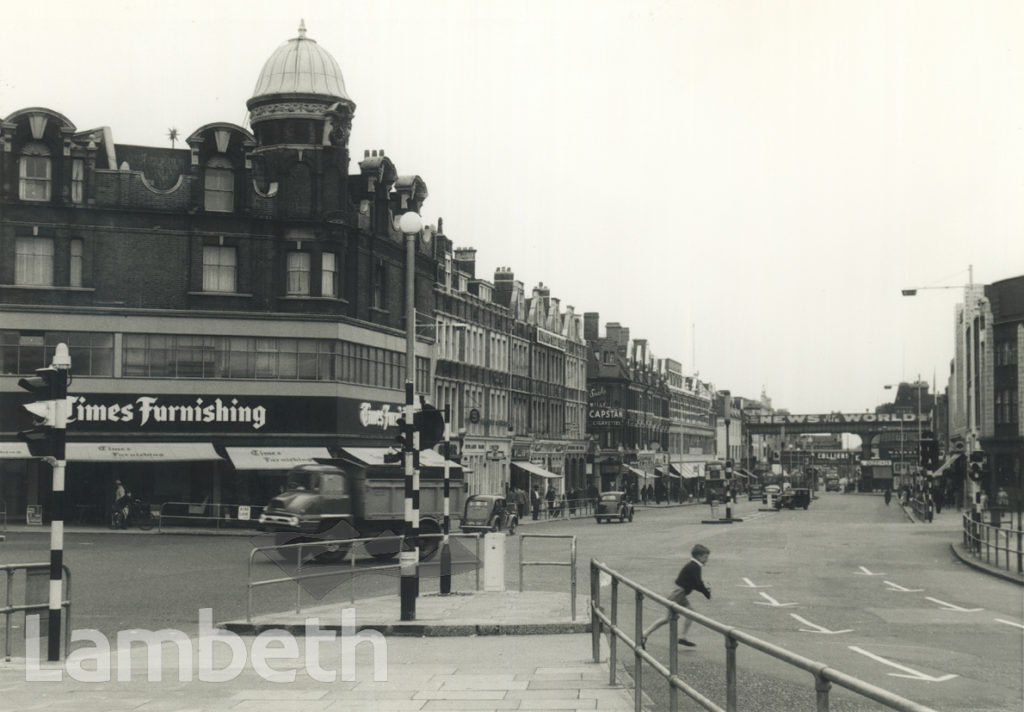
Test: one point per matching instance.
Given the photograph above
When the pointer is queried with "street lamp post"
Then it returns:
(410, 224)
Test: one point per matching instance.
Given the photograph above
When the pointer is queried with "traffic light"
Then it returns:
(429, 422)
(978, 466)
(929, 449)
(48, 386)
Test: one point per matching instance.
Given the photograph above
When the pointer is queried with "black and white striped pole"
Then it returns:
(446, 552)
(408, 559)
(61, 362)
(47, 440)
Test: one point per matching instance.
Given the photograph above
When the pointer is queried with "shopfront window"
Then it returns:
(92, 354)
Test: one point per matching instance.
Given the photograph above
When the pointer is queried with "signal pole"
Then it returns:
(61, 362)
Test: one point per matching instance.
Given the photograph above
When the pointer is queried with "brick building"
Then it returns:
(231, 307)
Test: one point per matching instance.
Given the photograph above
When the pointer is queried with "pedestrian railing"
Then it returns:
(307, 561)
(41, 572)
(997, 545)
(3, 516)
(571, 563)
(602, 620)
(206, 514)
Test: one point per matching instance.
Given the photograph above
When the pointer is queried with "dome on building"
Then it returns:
(301, 66)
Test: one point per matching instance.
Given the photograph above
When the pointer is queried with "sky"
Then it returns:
(747, 185)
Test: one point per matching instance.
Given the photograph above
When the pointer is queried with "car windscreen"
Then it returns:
(479, 506)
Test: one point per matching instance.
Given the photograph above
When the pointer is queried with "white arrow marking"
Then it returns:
(819, 629)
(1000, 620)
(751, 584)
(773, 602)
(951, 607)
(897, 587)
(909, 672)
(864, 572)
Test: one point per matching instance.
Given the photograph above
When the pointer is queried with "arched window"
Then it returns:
(220, 185)
(34, 172)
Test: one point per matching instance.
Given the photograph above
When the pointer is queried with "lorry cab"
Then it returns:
(315, 498)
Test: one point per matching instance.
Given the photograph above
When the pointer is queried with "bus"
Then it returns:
(715, 484)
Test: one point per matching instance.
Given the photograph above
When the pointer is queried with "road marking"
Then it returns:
(772, 602)
(751, 584)
(897, 587)
(1018, 625)
(819, 629)
(951, 607)
(864, 572)
(909, 673)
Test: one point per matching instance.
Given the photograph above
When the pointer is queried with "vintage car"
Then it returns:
(754, 491)
(613, 505)
(489, 513)
(794, 497)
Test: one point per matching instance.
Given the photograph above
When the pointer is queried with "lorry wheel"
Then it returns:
(429, 545)
(383, 549)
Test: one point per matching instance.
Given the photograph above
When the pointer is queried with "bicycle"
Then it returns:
(138, 515)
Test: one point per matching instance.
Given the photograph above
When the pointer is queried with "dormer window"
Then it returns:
(34, 172)
(220, 185)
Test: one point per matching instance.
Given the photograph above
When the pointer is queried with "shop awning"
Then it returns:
(640, 473)
(14, 451)
(140, 452)
(666, 472)
(946, 465)
(274, 458)
(685, 470)
(375, 456)
(536, 470)
(742, 473)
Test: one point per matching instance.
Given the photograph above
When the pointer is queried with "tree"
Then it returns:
(172, 134)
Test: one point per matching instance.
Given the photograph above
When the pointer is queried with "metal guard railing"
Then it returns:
(316, 571)
(824, 676)
(989, 541)
(10, 608)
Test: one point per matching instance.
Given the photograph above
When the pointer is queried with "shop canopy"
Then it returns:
(684, 470)
(946, 465)
(274, 458)
(665, 472)
(375, 456)
(536, 470)
(140, 452)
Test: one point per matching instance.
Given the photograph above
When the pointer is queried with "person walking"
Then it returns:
(550, 497)
(888, 496)
(690, 579)
(521, 502)
(535, 500)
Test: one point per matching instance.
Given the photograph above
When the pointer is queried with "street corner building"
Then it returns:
(235, 306)
(232, 306)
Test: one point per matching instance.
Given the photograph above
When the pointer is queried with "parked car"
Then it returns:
(612, 505)
(754, 491)
(489, 513)
(768, 492)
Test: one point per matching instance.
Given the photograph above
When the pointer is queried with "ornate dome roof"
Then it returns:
(301, 66)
